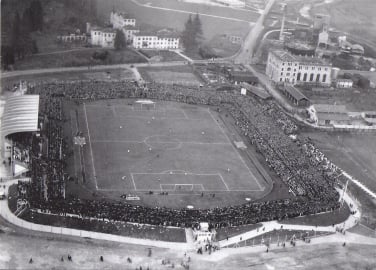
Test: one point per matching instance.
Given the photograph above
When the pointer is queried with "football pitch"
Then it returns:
(162, 147)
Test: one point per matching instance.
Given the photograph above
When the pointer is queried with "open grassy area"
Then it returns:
(149, 17)
(356, 17)
(79, 58)
(162, 55)
(85, 75)
(353, 152)
(183, 75)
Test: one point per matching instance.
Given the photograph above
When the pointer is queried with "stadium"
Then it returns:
(100, 154)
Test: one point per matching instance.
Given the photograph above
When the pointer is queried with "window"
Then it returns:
(281, 73)
(311, 77)
(305, 77)
(318, 78)
(280, 79)
(288, 69)
(288, 74)
(299, 75)
(324, 78)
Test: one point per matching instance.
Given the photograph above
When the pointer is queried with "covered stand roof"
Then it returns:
(20, 115)
(295, 92)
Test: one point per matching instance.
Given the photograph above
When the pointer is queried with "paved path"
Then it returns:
(249, 44)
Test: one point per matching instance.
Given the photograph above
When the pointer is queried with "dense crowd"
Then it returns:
(307, 173)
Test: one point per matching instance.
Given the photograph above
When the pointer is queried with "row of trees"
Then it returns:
(20, 42)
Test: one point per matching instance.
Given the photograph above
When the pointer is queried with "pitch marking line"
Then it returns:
(172, 172)
(73, 132)
(233, 147)
(91, 150)
(133, 182)
(224, 182)
(167, 142)
(185, 115)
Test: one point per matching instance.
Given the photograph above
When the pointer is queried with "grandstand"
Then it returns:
(30, 144)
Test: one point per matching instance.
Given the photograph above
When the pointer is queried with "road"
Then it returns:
(245, 54)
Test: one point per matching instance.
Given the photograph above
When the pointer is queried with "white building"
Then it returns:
(162, 40)
(119, 20)
(298, 70)
(327, 114)
(344, 83)
(104, 37)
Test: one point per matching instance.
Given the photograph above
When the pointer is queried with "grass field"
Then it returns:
(174, 75)
(102, 75)
(148, 17)
(78, 58)
(355, 153)
(162, 55)
(176, 148)
(356, 17)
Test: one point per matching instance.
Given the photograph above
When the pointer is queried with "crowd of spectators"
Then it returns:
(296, 161)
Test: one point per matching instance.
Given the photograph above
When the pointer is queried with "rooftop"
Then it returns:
(123, 14)
(104, 30)
(295, 92)
(333, 116)
(20, 114)
(288, 57)
(328, 108)
(158, 34)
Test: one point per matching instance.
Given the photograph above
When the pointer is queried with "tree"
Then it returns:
(36, 16)
(188, 36)
(197, 26)
(192, 35)
(119, 42)
(7, 56)
(16, 32)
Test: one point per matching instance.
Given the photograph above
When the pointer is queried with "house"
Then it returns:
(162, 40)
(119, 20)
(344, 83)
(327, 114)
(283, 67)
(104, 37)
